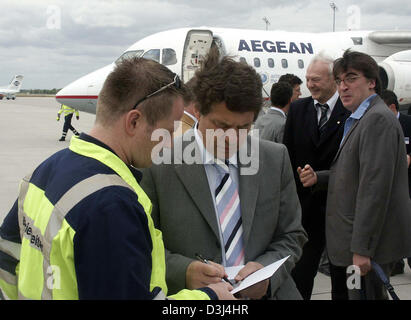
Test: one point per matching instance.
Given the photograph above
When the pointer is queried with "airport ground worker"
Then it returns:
(81, 227)
(68, 115)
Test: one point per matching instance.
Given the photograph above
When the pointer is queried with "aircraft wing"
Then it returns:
(400, 38)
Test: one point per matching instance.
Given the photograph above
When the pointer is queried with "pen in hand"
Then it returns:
(202, 259)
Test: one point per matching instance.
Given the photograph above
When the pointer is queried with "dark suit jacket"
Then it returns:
(368, 207)
(405, 122)
(305, 146)
(183, 210)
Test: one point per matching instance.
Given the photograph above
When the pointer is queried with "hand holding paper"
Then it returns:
(256, 290)
(257, 276)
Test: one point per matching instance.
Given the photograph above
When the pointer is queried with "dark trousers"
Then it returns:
(67, 124)
(306, 269)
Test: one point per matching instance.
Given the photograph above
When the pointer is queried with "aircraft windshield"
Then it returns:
(153, 54)
(169, 57)
(130, 54)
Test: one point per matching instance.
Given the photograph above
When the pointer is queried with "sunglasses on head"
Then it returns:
(176, 83)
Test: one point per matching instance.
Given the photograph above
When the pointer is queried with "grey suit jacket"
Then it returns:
(184, 211)
(368, 207)
(271, 126)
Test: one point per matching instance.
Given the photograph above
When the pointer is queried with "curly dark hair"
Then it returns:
(361, 62)
(225, 80)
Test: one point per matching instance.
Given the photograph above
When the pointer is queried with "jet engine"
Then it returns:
(395, 74)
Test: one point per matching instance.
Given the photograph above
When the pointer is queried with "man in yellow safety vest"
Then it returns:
(81, 227)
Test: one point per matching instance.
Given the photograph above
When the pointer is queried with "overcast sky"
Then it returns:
(52, 43)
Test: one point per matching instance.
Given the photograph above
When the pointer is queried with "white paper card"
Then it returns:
(259, 275)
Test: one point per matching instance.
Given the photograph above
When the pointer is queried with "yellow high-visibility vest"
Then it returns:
(47, 249)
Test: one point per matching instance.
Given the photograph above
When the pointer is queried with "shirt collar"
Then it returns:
(331, 102)
(357, 114)
(206, 156)
(279, 110)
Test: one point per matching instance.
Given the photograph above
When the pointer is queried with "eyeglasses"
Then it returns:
(348, 80)
(176, 83)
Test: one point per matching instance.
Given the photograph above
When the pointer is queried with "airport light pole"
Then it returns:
(267, 23)
(334, 7)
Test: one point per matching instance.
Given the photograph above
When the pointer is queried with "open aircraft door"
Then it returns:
(196, 47)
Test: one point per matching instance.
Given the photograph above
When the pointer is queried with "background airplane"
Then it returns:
(271, 53)
(10, 91)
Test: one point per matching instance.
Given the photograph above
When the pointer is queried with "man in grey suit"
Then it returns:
(260, 220)
(368, 213)
(271, 125)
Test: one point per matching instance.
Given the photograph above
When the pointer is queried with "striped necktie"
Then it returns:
(228, 207)
(323, 118)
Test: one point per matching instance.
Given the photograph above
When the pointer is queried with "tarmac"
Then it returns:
(30, 133)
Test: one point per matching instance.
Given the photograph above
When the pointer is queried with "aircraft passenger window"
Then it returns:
(300, 64)
(257, 62)
(169, 57)
(284, 63)
(130, 54)
(271, 62)
(153, 54)
(242, 60)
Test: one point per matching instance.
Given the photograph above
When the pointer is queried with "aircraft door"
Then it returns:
(196, 47)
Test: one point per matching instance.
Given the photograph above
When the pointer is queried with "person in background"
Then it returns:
(295, 83)
(390, 99)
(271, 125)
(68, 116)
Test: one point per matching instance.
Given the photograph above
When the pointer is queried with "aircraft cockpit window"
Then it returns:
(169, 57)
(130, 54)
(300, 64)
(153, 54)
(284, 63)
(357, 40)
(270, 62)
(257, 62)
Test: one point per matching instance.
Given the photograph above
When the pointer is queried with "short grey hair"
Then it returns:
(325, 58)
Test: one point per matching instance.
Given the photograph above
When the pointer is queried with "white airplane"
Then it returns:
(10, 91)
(271, 53)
